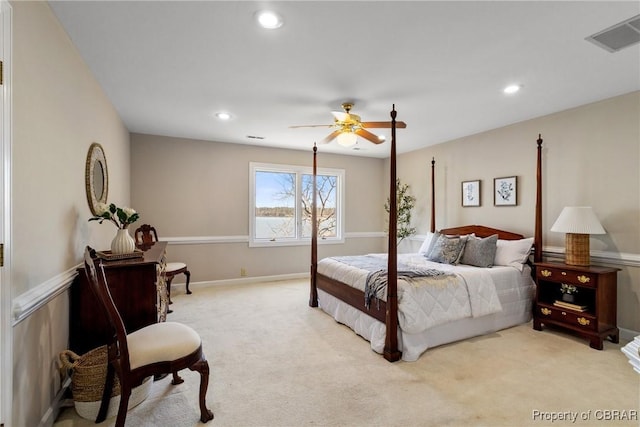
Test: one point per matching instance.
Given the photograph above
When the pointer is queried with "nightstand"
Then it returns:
(593, 312)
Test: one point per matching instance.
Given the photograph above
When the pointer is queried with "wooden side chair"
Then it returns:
(146, 236)
(157, 349)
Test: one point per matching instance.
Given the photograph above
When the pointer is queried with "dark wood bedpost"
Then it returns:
(433, 195)
(391, 352)
(313, 294)
(537, 236)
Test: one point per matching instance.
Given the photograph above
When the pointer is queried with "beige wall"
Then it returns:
(591, 157)
(58, 111)
(190, 188)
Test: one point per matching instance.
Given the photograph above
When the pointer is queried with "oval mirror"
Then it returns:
(96, 177)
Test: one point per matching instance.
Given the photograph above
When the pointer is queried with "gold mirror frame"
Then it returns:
(96, 177)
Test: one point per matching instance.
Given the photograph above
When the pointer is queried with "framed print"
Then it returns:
(471, 193)
(505, 191)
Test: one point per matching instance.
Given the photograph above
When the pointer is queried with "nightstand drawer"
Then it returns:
(568, 317)
(567, 276)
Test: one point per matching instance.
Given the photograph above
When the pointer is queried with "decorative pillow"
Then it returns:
(447, 249)
(480, 252)
(426, 245)
(513, 252)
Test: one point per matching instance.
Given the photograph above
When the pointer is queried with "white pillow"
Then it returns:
(513, 252)
(424, 249)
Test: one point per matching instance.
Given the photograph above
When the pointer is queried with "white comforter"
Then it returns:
(424, 303)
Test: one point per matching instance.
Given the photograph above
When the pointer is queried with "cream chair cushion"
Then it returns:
(161, 342)
(175, 266)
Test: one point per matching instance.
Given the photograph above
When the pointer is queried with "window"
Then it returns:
(281, 201)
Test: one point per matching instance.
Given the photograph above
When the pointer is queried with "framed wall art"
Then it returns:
(505, 191)
(471, 193)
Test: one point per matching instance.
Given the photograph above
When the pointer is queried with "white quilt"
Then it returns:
(427, 302)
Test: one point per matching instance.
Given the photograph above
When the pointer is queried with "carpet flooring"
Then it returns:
(277, 362)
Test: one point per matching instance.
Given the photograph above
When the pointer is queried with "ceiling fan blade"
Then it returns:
(310, 126)
(368, 135)
(399, 125)
(330, 137)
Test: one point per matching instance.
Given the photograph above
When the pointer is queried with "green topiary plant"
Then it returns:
(405, 204)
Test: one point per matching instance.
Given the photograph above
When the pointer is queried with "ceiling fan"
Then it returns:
(348, 127)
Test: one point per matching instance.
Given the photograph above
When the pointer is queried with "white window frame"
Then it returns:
(298, 171)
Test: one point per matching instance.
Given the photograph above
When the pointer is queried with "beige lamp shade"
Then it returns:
(578, 222)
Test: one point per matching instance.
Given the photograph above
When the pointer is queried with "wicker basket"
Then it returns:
(88, 375)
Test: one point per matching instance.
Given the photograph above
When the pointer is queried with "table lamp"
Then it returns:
(578, 222)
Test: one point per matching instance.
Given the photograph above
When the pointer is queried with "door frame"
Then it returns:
(6, 330)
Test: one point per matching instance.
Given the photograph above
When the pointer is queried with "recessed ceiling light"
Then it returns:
(269, 20)
(223, 115)
(511, 89)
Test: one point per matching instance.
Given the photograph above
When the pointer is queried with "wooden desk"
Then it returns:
(138, 290)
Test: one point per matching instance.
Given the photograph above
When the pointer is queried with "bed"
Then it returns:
(404, 304)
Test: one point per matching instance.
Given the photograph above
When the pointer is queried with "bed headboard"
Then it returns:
(482, 231)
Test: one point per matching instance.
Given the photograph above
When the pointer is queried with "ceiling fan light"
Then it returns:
(269, 20)
(511, 89)
(347, 139)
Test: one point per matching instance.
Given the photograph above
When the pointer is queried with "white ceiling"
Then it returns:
(169, 66)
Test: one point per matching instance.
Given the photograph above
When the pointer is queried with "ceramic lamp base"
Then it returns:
(123, 243)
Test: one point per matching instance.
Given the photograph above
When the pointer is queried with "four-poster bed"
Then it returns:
(508, 304)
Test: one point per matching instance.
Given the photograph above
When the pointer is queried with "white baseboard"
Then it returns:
(54, 409)
(243, 280)
(627, 335)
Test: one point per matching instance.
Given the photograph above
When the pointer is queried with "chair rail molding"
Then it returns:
(208, 240)
(27, 303)
(608, 257)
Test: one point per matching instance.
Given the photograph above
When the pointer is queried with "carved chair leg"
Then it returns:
(106, 393)
(169, 280)
(188, 274)
(177, 379)
(202, 366)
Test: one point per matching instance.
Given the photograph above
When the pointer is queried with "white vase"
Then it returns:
(123, 243)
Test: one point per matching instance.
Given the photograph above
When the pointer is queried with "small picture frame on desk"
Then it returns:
(471, 193)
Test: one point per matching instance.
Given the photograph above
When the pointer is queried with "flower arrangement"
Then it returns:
(568, 289)
(121, 217)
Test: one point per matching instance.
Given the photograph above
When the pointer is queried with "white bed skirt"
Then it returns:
(516, 309)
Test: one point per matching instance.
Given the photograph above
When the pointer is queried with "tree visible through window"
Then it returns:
(282, 204)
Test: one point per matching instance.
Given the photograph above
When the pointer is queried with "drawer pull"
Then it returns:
(545, 311)
(564, 273)
(564, 314)
(584, 279)
(583, 321)
(545, 273)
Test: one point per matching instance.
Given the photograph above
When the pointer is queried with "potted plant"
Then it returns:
(122, 243)
(405, 203)
(568, 292)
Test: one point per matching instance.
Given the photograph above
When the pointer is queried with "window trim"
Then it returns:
(298, 171)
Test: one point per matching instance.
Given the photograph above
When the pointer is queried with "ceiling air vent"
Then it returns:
(619, 36)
